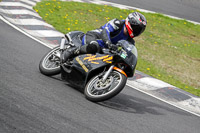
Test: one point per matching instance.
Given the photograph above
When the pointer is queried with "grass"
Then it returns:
(169, 49)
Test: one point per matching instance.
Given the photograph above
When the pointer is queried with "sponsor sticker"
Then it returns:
(123, 55)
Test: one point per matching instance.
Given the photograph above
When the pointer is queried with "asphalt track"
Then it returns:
(187, 9)
(33, 103)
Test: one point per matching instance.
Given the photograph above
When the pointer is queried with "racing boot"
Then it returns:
(70, 53)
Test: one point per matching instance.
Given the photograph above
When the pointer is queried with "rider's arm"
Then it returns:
(110, 27)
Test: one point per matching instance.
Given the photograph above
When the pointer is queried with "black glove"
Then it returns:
(113, 47)
(110, 45)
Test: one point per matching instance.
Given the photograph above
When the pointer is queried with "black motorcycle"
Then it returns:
(100, 76)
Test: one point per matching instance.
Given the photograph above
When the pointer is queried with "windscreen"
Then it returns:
(129, 55)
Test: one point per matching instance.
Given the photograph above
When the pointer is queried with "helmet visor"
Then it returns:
(137, 30)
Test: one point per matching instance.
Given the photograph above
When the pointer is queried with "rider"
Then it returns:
(108, 35)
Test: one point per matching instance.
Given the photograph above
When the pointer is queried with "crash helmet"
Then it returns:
(135, 24)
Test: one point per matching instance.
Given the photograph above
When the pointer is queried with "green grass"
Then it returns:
(169, 49)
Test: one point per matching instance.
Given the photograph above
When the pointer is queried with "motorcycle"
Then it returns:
(100, 76)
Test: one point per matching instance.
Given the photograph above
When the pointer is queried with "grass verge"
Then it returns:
(169, 49)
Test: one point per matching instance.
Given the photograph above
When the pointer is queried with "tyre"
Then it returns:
(97, 91)
(50, 63)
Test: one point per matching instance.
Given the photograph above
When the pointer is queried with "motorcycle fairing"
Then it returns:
(128, 55)
(85, 66)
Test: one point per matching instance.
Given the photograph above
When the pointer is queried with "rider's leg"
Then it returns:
(90, 46)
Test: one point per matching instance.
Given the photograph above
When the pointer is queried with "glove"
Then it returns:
(113, 47)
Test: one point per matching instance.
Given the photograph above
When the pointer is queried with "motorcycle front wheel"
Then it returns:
(50, 63)
(98, 91)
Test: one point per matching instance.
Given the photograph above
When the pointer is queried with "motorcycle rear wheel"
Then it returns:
(50, 63)
(96, 91)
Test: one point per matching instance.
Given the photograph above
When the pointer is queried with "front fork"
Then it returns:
(62, 48)
(105, 76)
(62, 44)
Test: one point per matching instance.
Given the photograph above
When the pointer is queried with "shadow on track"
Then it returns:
(131, 104)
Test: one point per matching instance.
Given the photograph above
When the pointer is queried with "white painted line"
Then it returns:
(74, 0)
(122, 6)
(129, 7)
(163, 100)
(141, 85)
(148, 83)
(45, 33)
(29, 2)
(28, 22)
(109, 3)
(36, 0)
(15, 4)
(140, 9)
(193, 103)
(182, 19)
(15, 27)
(20, 12)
